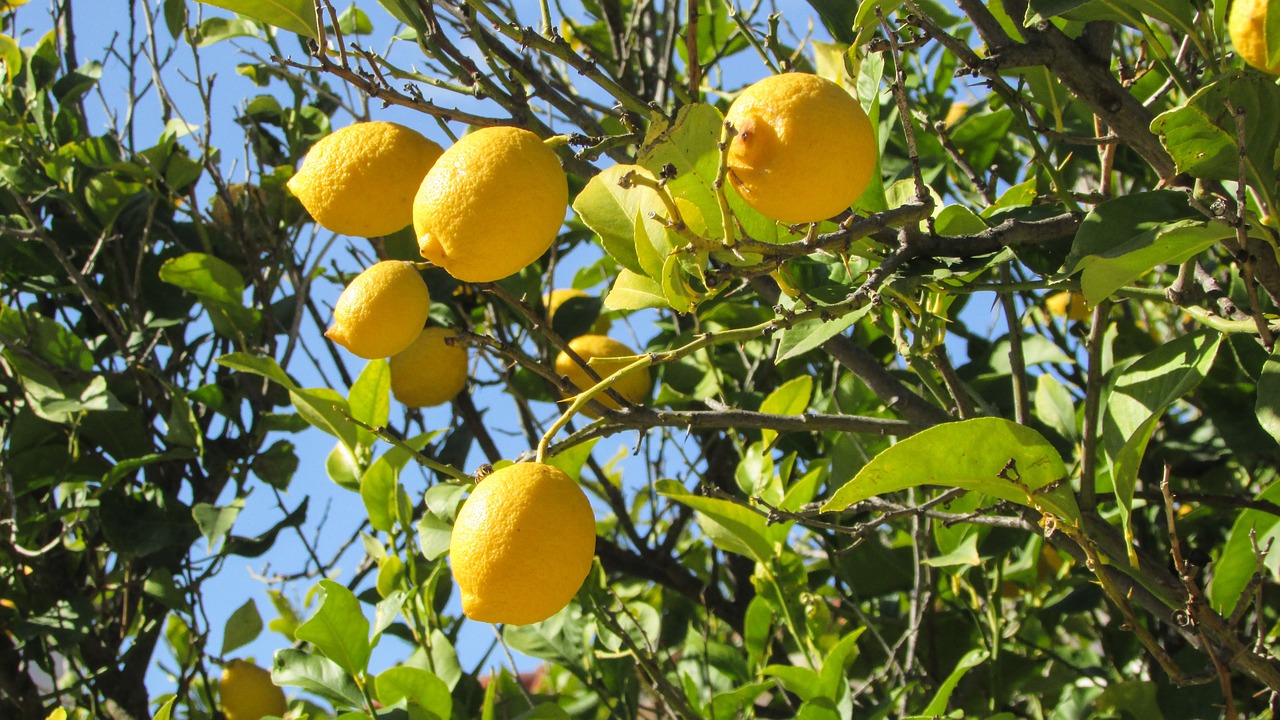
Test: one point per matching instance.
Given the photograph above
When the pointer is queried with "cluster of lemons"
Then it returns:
(802, 151)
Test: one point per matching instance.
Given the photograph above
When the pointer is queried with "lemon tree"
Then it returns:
(940, 364)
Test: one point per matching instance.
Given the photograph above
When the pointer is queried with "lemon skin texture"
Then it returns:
(606, 356)
(430, 371)
(491, 205)
(382, 311)
(522, 545)
(361, 180)
(247, 693)
(1247, 25)
(804, 149)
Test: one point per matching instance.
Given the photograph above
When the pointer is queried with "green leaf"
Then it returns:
(258, 365)
(419, 687)
(1171, 244)
(803, 682)
(1155, 381)
(733, 704)
(611, 212)
(1055, 407)
(205, 276)
(1116, 222)
(242, 628)
(378, 490)
(811, 334)
(992, 456)
(789, 398)
(732, 527)
(1268, 404)
(832, 676)
(339, 629)
(956, 220)
(433, 536)
(1236, 564)
(942, 698)
(370, 397)
(297, 16)
(326, 409)
(632, 291)
(216, 522)
(315, 674)
(964, 555)
(572, 460)
(1201, 134)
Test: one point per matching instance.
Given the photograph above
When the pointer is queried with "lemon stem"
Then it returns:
(580, 401)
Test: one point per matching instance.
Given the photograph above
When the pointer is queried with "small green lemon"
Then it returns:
(491, 205)
(522, 544)
(430, 371)
(361, 180)
(606, 356)
(804, 149)
(382, 311)
(247, 693)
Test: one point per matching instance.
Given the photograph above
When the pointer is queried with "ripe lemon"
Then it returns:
(491, 205)
(361, 179)
(554, 299)
(382, 311)
(247, 693)
(606, 356)
(804, 149)
(522, 544)
(1247, 26)
(1070, 305)
(430, 371)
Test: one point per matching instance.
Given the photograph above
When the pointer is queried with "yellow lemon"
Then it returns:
(1070, 305)
(554, 299)
(956, 113)
(606, 356)
(430, 371)
(804, 149)
(491, 205)
(382, 311)
(361, 180)
(522, 544)
(247, 693)
(1247, 26)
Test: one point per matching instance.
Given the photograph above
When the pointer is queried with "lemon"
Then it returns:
(956, 113)
(382, 311)
(247, 693)
(804, 149)
(1070, 305)
(250, 198)
(361, 180)
(606, 356)
(554, 299)
(430, 371)
(491, 205)
(522, 544)
(1247, 26)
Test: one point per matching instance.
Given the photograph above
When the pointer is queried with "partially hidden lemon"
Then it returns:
(555, 298)
(1070, 305)
(804, 150)
(522, 544)
(430, 371)
(247, 693)
(1247, 25)
(361, 180)
(491, 205)
(382, 311)
(606, 356)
